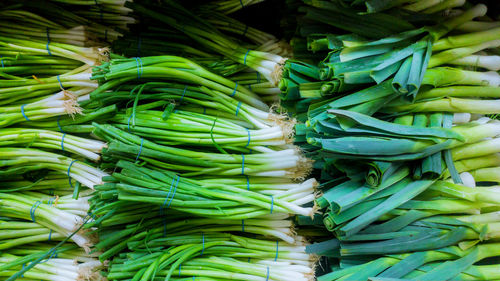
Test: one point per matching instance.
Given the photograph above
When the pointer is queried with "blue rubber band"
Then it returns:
(22, 112)
(243, 164)
(204, 110)
(128, 122)
(248, 183)
(203, 243)
(242, 225)
(62, 141)
(272, 203)
(248, 259)
(179, 270)
(241, 2)
(138, 62)
(33, 210)
(3, 66)
(175, 189)
(162, 208)
(59, 80)
(59, 125)
(22, 275)
(248, 141)
(245, 32)
(69, 169)
(238, 108)
(183, 93)
(250, 87)
(50, 234)
(276, 258)
(193, 278)
(48, 42)
(245, 58)
(234, 90)
(168, 194)
(258, 77)
(267, 278)
(140, 150)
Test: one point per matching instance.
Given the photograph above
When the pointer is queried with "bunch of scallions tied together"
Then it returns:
(210, 170)
(48, 162)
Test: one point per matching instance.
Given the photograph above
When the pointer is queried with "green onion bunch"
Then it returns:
(79, 23)
(60, 215)
(135, 239)
(15, 161)
(269, 65)
(208, 197)
(45, 262)
(87, 148)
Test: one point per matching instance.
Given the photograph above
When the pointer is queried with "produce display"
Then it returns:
(249, 140)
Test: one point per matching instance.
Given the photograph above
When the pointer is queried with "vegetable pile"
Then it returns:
(182, 140)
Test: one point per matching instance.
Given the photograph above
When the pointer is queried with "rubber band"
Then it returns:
(238, 108)
(258, 77)
(250, 87)
(245, 32)
(50, 234)
(48, 42)
(183, 93)
(168, 194)
(140, 150)
(60, 84)
(33, 210)
(62, 142)
(69, 169)
(248, 183)
(241, 2)
(203, 243)
(276, 258)
(175, 189)
(59, 125)
(193, 278)
(179, 270)
(234, 90)
(248, 259)
(128, 122)
(267, 277)
(53, 254)
(22, 112)
(243, 164)
(138, 62)
(248, 141)
(22, 275)
(1, 60)
(242, 225)
(272, 203)
(245, 58)
(204, 110)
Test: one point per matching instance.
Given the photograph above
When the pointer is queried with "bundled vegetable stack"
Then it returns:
(206, 158)
(166, 156)
(393, 120)
(47, 159)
